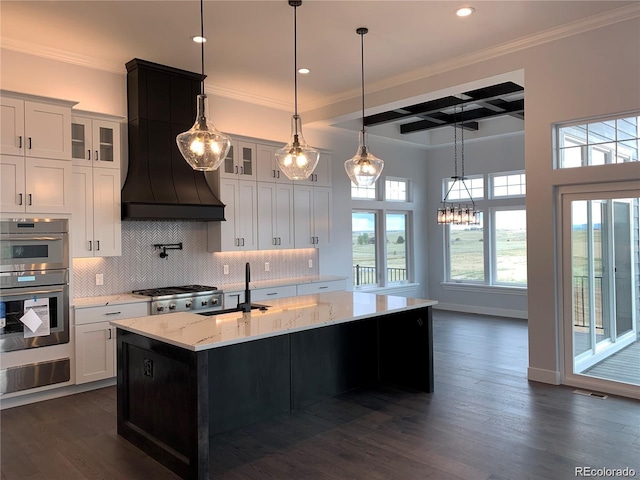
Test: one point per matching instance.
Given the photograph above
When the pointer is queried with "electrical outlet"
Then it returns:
(310, 263)
(266, 266)
(225, 269)
(99, 279)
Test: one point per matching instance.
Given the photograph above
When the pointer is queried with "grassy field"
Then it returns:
(365, 255)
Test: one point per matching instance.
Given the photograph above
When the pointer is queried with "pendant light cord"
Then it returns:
(295, 59)
(362, 32)
(462, 138)
(202, 45)
(455, 141)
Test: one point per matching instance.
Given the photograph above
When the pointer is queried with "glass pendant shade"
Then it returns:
(203, 146)
(296, 159)
(363, 168)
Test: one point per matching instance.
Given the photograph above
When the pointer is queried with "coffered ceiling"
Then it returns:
(249, 54)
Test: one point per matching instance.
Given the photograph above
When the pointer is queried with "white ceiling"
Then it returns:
(250, 49)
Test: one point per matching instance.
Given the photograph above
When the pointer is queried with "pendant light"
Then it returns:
(296, 159)
(203, 146)
(462, 213)
(363, 168)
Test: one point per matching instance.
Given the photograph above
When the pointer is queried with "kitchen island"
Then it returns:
(183, 377)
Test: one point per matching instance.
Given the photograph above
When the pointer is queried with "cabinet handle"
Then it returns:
(97, 245)
(20, 202)
(272, 293)
(30, 200)
(109, 335)
(274, 173)
(279, 241)
(242, 241)
(313, 240)
(90, 245)
(278, 173)
(237, 242)
(29, 143)
(19, 141)
(88, 154)
(317, 240)
(320, 288)
(241, 170)
(113, 313)
(274, 241)
(97, 158)
(236, 169)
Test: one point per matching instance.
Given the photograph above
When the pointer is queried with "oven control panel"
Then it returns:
(200, 303)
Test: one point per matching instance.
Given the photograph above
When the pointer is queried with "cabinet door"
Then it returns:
(322, 216)
(284, 216)
(246, 160)
(106, 212)
(48, 185)
(95, 352)
(12, 194)
(82, 244)
(266, 216)
(229, 167)
(12, 126)
(246, 215)
(106, 143)
(228, 229)
(81, 147)
(266, 163)
(48, 130)
(303, 220)
(323, 171)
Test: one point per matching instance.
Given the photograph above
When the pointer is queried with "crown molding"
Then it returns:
(553, 34)
(570, 29)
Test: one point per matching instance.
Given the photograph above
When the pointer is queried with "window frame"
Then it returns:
(494, 236)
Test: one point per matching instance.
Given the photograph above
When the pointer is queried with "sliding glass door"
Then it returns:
(600, 286)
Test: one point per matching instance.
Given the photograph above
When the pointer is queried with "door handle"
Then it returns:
(90, 245)
(20, 202)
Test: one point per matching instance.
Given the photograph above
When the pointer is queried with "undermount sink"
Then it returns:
(254, 306)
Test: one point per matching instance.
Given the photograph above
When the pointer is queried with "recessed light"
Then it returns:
(465, 11)
(303, 71)
(198, 39)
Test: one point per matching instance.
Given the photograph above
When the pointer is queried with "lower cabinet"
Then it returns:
(95, 352)
(321, 287)
(95, 342)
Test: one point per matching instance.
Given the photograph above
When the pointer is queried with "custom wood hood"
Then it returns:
(160, 185)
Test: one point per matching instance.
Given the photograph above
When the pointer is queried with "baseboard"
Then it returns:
(543, 376)
(27, 398)
(498, 312)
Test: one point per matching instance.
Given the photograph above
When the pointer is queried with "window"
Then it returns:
(598, 143)
(365, 193)
(494, 252)
(457, 191)
(381, 234)
(510, 185)
(396, 190)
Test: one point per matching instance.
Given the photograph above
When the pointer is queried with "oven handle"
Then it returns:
(16, 236)
(21, 292)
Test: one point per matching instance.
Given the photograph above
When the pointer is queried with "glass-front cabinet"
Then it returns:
(240, 162)
(95, 139)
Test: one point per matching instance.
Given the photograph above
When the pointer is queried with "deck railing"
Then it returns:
(581, 298)
(368, 275)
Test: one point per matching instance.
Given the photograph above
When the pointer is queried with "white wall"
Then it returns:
(481, 157)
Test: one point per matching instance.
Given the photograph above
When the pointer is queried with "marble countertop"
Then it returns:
(197, 332)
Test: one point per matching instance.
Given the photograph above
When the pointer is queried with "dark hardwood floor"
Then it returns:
(484, 421)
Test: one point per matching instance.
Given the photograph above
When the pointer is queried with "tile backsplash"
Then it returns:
(140, 265)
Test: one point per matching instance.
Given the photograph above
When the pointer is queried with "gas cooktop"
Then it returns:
(161, 292)
(183, 299)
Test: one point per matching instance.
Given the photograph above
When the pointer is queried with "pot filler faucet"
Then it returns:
(246, 306)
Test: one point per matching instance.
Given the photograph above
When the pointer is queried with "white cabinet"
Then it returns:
(321, 176)
(95, 139)
(240, 162)
(95, 342)
(34, 185)
(35, 126)
(240, 230)
(268, 170)
(321, 287)
(261, 294)
(312, 216)
(96, 225)
(275, 216)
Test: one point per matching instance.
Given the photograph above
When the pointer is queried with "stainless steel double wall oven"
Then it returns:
(34, 270)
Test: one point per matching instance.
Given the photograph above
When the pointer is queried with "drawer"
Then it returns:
(111, 312)
(320, 287)
(271, 293)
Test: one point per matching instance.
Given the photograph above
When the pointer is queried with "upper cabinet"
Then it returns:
(95, 138)
(321, 176)
(268, 170)
(240, 162)
(35, 126)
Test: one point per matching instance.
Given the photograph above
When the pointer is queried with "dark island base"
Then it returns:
(171, 400)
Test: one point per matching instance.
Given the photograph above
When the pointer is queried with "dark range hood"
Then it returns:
(160, 185)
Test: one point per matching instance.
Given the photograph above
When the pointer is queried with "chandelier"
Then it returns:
(460, 212)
